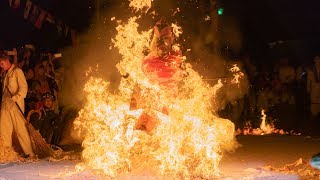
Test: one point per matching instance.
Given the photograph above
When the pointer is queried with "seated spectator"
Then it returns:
(46, 81)
(22, 64)
(53, 85)
(42, 80)
(44, 84)
(46, 120)
(31, 98)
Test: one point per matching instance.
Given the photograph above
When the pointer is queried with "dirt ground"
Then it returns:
(272, 157)
(259, 157)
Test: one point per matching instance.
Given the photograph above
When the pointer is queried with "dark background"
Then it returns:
(17, 31)
(259, 21)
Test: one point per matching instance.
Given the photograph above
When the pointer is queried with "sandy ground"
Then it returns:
(258, 153)
(259, 157)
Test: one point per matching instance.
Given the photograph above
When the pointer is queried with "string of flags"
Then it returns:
(37, 16)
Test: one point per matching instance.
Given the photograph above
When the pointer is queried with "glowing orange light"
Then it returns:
(149, 125)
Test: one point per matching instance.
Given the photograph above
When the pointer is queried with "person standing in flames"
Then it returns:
(162, 66)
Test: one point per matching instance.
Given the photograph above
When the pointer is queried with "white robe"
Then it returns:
(11, 119)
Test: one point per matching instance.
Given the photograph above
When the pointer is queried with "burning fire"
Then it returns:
(140, 4)
(146, 126)
(264, 128)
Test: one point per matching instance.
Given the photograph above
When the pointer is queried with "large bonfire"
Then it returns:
(164, 128)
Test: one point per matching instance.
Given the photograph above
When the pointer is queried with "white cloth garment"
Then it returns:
(11, 119)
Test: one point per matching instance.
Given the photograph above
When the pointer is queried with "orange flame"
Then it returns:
(237, 74)
(139, 5)
(181, 136)
(264, 128)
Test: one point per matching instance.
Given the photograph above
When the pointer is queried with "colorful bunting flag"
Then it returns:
(16, 4)
(39, 21)
(37, 16)
(74, 38)
(34, 14)
(27, 9)
(50, 18)
(59, 27)
(66, 30)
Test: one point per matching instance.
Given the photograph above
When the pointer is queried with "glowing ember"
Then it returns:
(140, 4)
(176, 11)
(159, 120)
(177, 30)
(237, 74)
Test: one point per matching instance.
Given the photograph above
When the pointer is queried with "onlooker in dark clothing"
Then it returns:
(42, 80)
(24, 59)
(46, 82)
(46, 120)
(302, 98)
(31, 98)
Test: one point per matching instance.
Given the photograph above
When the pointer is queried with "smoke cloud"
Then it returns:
(94, 49)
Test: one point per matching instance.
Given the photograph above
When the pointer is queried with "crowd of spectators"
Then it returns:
(289, 94)
(43, 72)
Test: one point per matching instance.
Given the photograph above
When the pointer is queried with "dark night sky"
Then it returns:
(16, 31)
(282, 19)
(260, 21)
